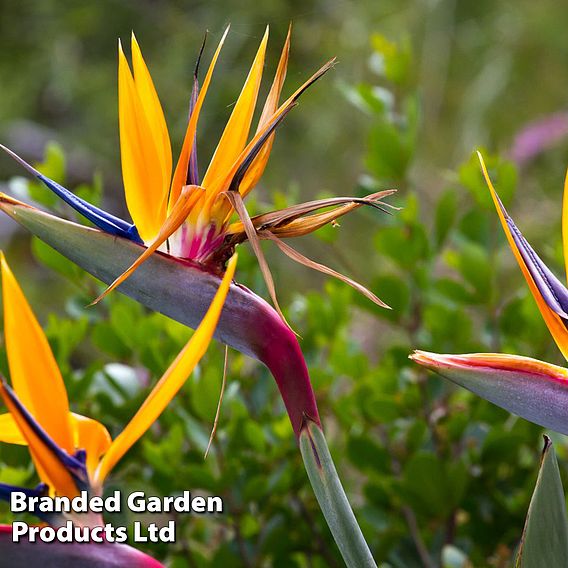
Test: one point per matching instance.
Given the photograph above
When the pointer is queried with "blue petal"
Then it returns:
(103, 220)
(192, 169)
(552, 290)
(40, 491)
(6, 490)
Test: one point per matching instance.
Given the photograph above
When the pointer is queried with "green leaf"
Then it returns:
(366, 454)
(433, 486)
(392, 143)
(387, 157)
(450, 289)
(370, 99)
(393, 290)
(478, 226)
(472, 261)
(52, 259)
(545, 537)
(406, 245)
(53, 165)
(445, 215)
(394, 60)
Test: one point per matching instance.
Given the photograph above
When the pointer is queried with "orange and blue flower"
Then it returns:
(172, 255)
(535, 390)
(174, 210)
(71, 452)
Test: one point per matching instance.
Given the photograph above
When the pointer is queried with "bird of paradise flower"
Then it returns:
(176, 211)
(171, 257)
(533, 389)
(184, 219)
(71, 452)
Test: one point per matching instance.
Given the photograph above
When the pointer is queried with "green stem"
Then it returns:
(332, 499)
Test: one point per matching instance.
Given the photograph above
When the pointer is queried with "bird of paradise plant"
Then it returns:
(532, 389)
(171, 257)
(74, 453)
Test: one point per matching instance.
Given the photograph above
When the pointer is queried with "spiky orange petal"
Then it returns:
(172, 380)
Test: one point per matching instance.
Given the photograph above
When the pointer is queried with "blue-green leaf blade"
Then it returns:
(544, 543)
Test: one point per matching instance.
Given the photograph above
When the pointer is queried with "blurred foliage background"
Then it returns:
(437, 476)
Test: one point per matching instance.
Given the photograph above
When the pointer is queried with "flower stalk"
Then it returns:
(332, 499)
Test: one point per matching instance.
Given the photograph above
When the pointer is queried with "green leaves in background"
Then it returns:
(435, 486)
(392, 107)
(393, 60)
(474, 264)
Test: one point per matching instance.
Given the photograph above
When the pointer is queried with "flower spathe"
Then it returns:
(72, 452)
(183, 290)
(59, 554)
(535, 390)
(532, 389)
